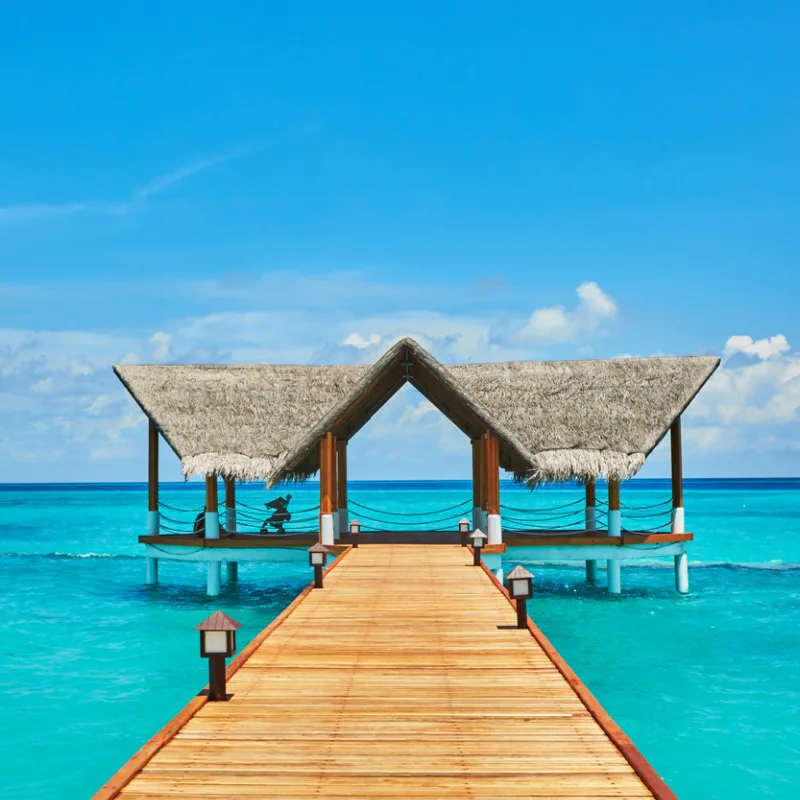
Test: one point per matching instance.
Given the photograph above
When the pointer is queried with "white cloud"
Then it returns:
(161, 342)
(752, 402)
(414, 413)
(557, 324)
(361, 342)
(761, 348)
(33, 212)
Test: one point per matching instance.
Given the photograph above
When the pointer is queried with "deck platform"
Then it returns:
(403, 677)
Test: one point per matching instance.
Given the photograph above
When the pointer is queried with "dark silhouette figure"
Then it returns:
(280, 516)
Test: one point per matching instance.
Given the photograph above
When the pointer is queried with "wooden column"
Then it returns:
(334, 476)
(341, 472)
(153, 519)
(324, 474)
(591, 493)
(327, 488)
(678, 517)
(212, 532)
(592, 573)
(492, 473)
(676, 452)
(230, 504)
(613, 494)
(152, 467)
(212, 501)
(613, 571)
(476, 474)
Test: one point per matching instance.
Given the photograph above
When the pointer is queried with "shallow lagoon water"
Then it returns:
(94, 662)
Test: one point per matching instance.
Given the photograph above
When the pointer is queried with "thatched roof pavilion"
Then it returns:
(553, 420)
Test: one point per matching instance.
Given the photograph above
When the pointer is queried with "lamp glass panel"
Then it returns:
(216, 641)
(519, 587)
(316, 559)
(477, 542)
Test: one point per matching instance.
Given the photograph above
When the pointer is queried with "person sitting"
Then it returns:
(280, 516)
(200, 524)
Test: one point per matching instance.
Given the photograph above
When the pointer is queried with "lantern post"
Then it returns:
(217, 642)
(318, 558)
(520, 587)
(478, 538)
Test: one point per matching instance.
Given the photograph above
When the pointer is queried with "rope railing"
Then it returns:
(644, 508)
(451, 520)
(195, 510)
(543, 510)
(352, 502)
(240, 504)
(168, 529)
(578, 514)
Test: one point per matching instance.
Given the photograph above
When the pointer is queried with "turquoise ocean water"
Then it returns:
(708, 686)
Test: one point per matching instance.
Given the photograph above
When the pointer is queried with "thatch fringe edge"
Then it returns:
(557, 466)
(229, 465)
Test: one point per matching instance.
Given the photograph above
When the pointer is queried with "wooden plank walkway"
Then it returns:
(403, 677)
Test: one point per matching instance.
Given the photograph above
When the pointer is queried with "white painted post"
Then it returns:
(678, 520)
(494, 529)
(326, 529)
(212, 524)
(233, 571)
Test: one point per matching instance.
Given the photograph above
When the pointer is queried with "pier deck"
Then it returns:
(403, 677)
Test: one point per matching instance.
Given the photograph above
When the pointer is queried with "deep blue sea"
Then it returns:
(707, 685)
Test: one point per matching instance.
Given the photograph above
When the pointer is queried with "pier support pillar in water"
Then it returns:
(233, 571)
(614, 529)
(682, 573)
(326, 529)
(592, 572)
(213, 585)
(151, 571)
(495, 563)
(151, 564)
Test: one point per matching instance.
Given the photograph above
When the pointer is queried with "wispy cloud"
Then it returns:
(33, 212)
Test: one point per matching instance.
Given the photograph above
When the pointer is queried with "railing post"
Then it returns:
(327, 477)
(153, 517)
(678, 519)
(614, 529)
(592, 572)
(212, 532)
(230, 523)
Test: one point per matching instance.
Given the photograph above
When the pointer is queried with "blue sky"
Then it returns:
(197, 182)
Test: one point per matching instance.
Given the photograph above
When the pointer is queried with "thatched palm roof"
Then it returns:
(555, 420)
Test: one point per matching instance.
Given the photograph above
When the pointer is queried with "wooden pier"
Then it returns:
(404, 677)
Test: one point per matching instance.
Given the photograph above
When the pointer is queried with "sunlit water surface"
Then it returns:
(707, 686)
